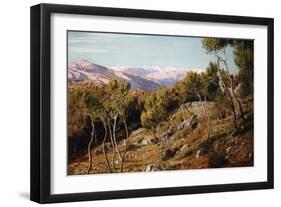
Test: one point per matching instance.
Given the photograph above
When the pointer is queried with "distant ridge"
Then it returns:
(84, 70)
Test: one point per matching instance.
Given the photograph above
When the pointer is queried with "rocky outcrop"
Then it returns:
(191, 122)
(198, 153)
(143, 141)
(183, 148)
(165, 135)
(137, 132)
(153, 167)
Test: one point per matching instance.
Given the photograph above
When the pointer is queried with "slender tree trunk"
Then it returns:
(90, 146)
(114, 138)
(229, 95)
(232, 89)
(104, 152)
(126, 146)
(239, 104)
(205, 113)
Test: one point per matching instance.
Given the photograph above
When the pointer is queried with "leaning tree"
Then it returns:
(92, 110)
(217, 47)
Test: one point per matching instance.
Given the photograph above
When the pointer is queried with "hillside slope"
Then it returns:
(181, 146)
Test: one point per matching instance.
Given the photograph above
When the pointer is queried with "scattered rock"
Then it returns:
(183, 125)
(191, 122)
(195, 104)
(167, 133)
(107, 147)
(98, 150)
(116, 162)
(138, 131)
(183, 148)
(198, 153)
(143, 141)
(152, 167)
(228, 149)
(250, 155)
(132, 155)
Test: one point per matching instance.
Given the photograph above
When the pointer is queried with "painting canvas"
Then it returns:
(150, 102)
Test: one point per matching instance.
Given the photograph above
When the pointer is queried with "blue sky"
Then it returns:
(110, 49)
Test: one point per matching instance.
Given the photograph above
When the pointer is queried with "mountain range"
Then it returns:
(145, 78)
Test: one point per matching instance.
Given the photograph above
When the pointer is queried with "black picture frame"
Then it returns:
(41, 95)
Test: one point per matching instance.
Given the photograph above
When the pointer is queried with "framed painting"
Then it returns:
(122, 99)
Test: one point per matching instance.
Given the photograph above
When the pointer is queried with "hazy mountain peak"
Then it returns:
(83, 70)
(146, 77)
(166, 76)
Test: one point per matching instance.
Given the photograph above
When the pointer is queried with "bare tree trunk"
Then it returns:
(229, 95)
(126, 146)
(239, 104)
(114, 138)
(90, 146)
(103, 142)
(206, 114)
(231, 86)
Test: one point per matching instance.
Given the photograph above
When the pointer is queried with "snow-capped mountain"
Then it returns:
(139, 71)
(167, 76)
(84, 70)
(145, 78)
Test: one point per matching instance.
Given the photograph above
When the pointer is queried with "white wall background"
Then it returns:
(14, 101)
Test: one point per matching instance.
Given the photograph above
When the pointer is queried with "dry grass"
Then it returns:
(221, 150)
